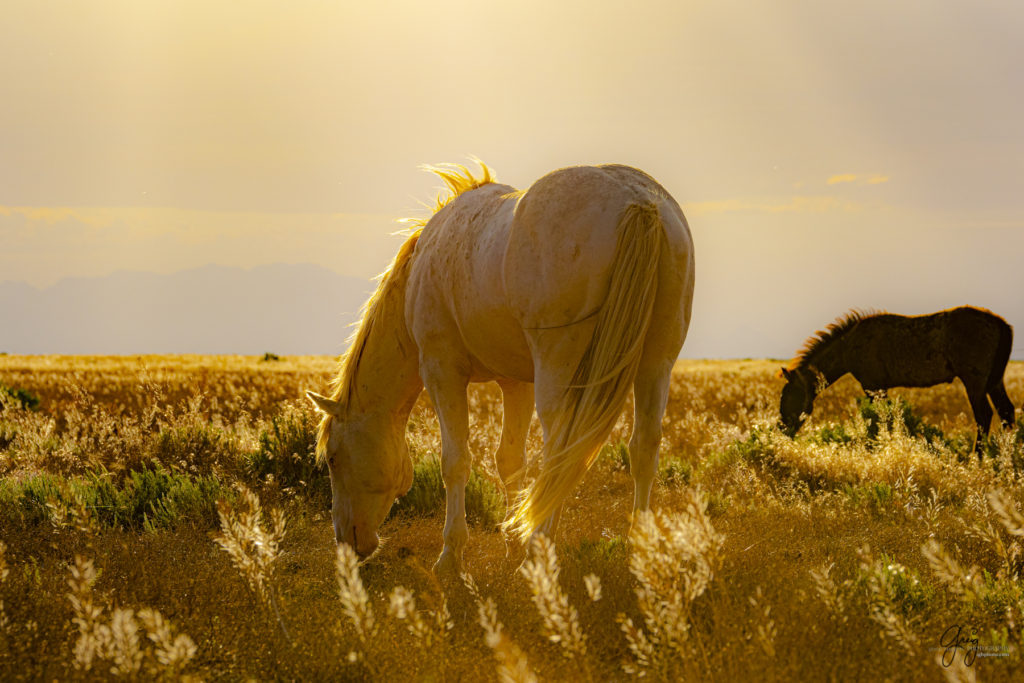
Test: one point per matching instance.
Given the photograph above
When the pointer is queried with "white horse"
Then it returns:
(568, 295)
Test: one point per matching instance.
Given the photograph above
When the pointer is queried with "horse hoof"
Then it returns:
(447, 565)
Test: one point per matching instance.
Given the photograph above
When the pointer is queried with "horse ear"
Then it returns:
(324, 404)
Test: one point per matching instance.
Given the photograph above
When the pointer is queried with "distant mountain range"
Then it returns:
(287, 310)
(284, 309)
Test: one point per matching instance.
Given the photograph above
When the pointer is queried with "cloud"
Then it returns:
(41, 214)
(41, 245)
(858, 178)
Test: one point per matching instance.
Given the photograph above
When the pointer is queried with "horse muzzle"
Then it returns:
(365, 543)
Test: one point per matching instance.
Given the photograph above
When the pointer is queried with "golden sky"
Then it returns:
(828, 155)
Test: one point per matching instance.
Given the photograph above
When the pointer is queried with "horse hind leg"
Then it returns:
(996, 386)
(1003, 404)
(550, 525)
(650, 396)
(548, 395)
(510, 456)
(982, 413)
(665, 337)
(553, 375)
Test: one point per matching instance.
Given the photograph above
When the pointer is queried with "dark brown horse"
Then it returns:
(882, 350)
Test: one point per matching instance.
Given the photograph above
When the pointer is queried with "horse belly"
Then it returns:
(498, 350)
(924, 368)
(901, 357)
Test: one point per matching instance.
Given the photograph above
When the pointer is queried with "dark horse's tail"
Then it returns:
(1002, 357)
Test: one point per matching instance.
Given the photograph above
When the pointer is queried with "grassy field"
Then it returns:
(162, 517)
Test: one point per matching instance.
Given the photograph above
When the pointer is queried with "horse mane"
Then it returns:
(823, 338)
(459, 180)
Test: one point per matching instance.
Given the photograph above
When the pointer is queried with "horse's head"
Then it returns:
(368, 460)
(797, 400)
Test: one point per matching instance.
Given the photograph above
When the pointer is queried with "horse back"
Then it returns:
(455, 298)
(563, 240)
(920, 351)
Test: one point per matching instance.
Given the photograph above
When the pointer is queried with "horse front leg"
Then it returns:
(447, 390)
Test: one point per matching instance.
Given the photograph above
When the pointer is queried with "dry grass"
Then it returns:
(851, 552)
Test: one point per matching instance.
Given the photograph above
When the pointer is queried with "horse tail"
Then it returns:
(1002, 356)
(591, 403)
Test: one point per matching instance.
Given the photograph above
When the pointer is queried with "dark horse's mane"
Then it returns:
(822, 338)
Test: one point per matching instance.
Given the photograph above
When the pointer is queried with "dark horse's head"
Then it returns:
(797, 400)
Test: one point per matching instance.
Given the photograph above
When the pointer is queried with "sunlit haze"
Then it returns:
(828, 155)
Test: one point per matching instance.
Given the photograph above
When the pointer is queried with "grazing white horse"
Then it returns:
(568, 295)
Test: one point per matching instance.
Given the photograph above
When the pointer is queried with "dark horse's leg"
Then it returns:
(994, 385)
(1004, 407)
(982, 412)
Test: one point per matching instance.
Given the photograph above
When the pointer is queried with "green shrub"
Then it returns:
(617, 454)
(991, 448)
(24, 502)
(999, 594)
(607, 558)
(599, 552)
(890, 412)
(286, 451)
(187, 501)
(877, 496)
(757, 449)
(8, 431)
(195, 446)
(889, 580)
(834, 433)
(426, 496)
(157, 498)
(485, 503)
(151, 498)
(675, 471)
(18, 398)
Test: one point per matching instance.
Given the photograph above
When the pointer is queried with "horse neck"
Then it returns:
(830, 361)
(386, 381)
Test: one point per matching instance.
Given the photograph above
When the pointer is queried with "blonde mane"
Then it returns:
(391, 290)
(459, 180)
